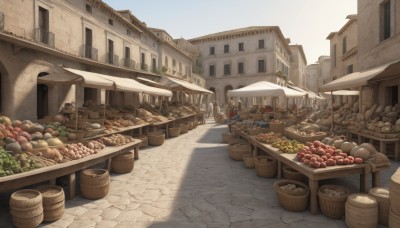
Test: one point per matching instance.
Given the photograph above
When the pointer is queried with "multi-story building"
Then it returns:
(379, 45)
(237, 58)
(298, 66)
(343, 48)
(318, 73)
(86, 35)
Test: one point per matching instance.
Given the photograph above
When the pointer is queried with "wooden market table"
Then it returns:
(315, 175)
(382, 142)
(168, 123)
(50, 173)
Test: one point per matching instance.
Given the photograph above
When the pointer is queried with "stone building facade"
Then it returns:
(86, 35)
(318, 73)
(237, 58)
(298, 66)
(378, 44)
(343, 49)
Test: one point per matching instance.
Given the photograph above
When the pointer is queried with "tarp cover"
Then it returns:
(265, 89)
(344, 93)
(176, 83)
(357, 79)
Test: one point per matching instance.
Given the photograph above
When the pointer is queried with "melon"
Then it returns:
(347, 147)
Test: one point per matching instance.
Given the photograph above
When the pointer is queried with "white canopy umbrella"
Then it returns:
(265, 89)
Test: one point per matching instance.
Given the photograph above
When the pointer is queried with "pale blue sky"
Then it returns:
(305, 22)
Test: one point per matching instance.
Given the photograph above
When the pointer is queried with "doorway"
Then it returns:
(42, 98)
(393, 95)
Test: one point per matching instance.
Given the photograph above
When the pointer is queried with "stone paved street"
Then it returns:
(190, 181)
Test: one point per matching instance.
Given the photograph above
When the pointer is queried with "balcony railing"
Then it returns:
(1, 21)
(144, 66)
(89, 52)
(44, 36)
(112, 59)
(129, 63)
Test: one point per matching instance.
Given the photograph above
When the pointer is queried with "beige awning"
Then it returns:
(174, 83)
(93, 80)
(344, 93)
(265, 89)
(310, 94)
(357, 79)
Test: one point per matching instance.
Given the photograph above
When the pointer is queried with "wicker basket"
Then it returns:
(248, 161)
(255, 116)
(276, 127)
(256, 131)
(394, 192)
(236, 151)
(292, 174)
(266, 166)
(394, 219)
(26, 208)
(156, 138)
(226, 137)
(184, 128)
(174, 131)
(145, 140)
(190, 125)
(53, 202)
(382, 197)
(123, 163)
(290, 200)
(94, 183)
(361, 211)
(333, 206)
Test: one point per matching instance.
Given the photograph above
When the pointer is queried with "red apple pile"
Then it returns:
(320, 155)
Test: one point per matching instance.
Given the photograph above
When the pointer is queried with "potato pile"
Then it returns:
(76, 151)
(116, 140)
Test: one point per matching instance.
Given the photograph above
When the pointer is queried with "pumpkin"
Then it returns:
(369, 147)
(14, 147)
(5, 120)
(26, 135)
(39, 144)
(16, 123)
(21, 139)
(9, 140)
(362, 153)
(25, 127)
(95, 126)
(37, 136)
(338, 143)
(47, 136)
(54, 142)
(386, 129)
(36, 128)
(347, 147)
(27, 146)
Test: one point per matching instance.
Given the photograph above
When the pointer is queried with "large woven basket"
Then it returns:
(236, 151)
(394, 219)
(94, 183)
(292, 174)
(145, 140)
(174, 131)
(382, 197)
(123, 163)
(248, 160)
(361, 211)
(276, 127)
(26, 208)
(184, 128)
(291, 200)
(333, 205)
(394, 192)
(156, 138)
(226, 137)
(266, 166)
(53, 202)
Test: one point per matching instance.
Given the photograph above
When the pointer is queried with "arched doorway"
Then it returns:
(42, 98)
(228, 87)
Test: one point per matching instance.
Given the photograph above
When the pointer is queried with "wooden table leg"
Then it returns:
(376, 179)
(363, 182)
(382, 147)
(279, 169)
(71, 184)
(397, 151)
(313, 185)
(166, 130)
(136, 153)
(108, 165)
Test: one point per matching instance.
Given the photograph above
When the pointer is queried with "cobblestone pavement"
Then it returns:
(190, 181)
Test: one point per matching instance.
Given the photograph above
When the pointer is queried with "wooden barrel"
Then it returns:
(382, 197)
(123, 163)
(53, 202)
(361, 211)
(94, 183)
(26, 208)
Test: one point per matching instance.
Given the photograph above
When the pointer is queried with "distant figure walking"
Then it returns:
(210, 110)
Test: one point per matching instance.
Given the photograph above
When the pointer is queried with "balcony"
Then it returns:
(1, 21)
(129, 63)
(44, 37)
(112, 59)
(89, 52)
(144, 67)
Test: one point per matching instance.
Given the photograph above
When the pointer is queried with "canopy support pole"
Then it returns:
(76, 107)
(105, 107)
(332, 113)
